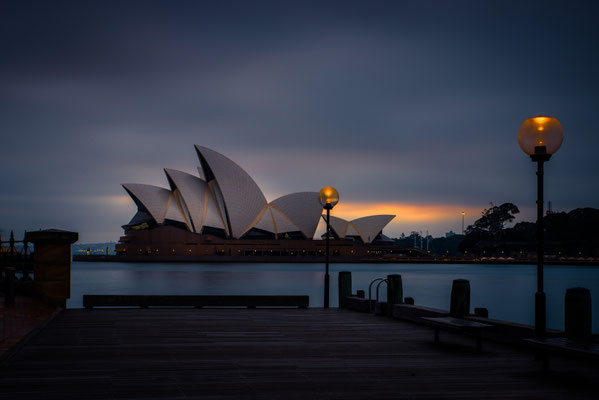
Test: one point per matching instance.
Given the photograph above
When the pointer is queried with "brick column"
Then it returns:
(52, 264)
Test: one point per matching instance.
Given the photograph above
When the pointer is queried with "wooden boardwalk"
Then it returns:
(271, 353)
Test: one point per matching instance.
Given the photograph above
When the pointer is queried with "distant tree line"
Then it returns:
(571, 234)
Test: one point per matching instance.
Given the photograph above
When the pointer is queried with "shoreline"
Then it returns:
(316, 260)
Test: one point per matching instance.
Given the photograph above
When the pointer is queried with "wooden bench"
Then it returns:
(410, 312)
(356, 303)
(563, 347)
(145, 301)
(456, 324)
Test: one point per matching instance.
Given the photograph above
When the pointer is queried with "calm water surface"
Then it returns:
(507, 291)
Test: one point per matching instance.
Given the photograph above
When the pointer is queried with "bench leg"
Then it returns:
(436, 335)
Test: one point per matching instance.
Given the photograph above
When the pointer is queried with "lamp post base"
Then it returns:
(540, 315)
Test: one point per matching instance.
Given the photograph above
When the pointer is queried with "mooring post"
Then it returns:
(394, 290)
(344, 287)
(460, 298)
(577, 315)
(481, 312)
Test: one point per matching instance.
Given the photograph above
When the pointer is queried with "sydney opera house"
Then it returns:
(223, 212)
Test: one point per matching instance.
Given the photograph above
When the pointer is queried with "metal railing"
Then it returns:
(370, 302)
(18, 257)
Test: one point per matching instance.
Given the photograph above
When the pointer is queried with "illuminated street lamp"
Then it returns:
(540, 137)
(328, 197)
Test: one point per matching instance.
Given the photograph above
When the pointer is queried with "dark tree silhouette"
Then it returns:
(493, 219)
(572, 234)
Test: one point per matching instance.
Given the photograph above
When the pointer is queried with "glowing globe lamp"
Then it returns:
(328, 197)
(540, 135)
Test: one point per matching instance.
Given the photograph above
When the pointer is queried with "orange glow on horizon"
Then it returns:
(405, 212)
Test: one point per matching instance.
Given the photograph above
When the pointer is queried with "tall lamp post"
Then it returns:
(540, 137)
(328, 197)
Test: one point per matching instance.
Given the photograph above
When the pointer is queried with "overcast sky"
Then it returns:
(406, 107)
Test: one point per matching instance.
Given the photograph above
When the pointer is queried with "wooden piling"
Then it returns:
(577, 315)
(344, 287)
(460, 298)
(394, 290)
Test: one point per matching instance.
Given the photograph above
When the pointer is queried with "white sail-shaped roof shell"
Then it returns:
(369, 227)
(274, 221)
(302, 208)
(242, 197)
(351, 230)
(213, 216)
(193, 193)
(153, 198)
(184, 210)
(174, 210)
(282, 222)
(267, 222)
(339, 225)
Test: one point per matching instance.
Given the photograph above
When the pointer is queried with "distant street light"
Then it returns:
(328, 197)
(540, 137)
(463, 214)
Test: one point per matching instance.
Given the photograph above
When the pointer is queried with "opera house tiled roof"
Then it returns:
(224, 198)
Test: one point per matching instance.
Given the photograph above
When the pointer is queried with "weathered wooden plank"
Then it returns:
(144, 301)
(457, 324)
(269, 353)
(413, 313)
(566, 347)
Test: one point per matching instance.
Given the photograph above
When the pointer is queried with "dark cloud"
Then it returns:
(389, 100)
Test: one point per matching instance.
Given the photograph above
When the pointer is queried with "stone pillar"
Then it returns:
(460, 298)
(344, 287)
(577, 314)
(52, 264)
(394, 290)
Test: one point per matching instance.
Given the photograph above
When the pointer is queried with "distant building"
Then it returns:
(450, 234)
(223, 212)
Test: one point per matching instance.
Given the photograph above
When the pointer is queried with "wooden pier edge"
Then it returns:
(198, 301)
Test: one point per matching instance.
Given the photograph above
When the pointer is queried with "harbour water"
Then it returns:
(507, 291)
